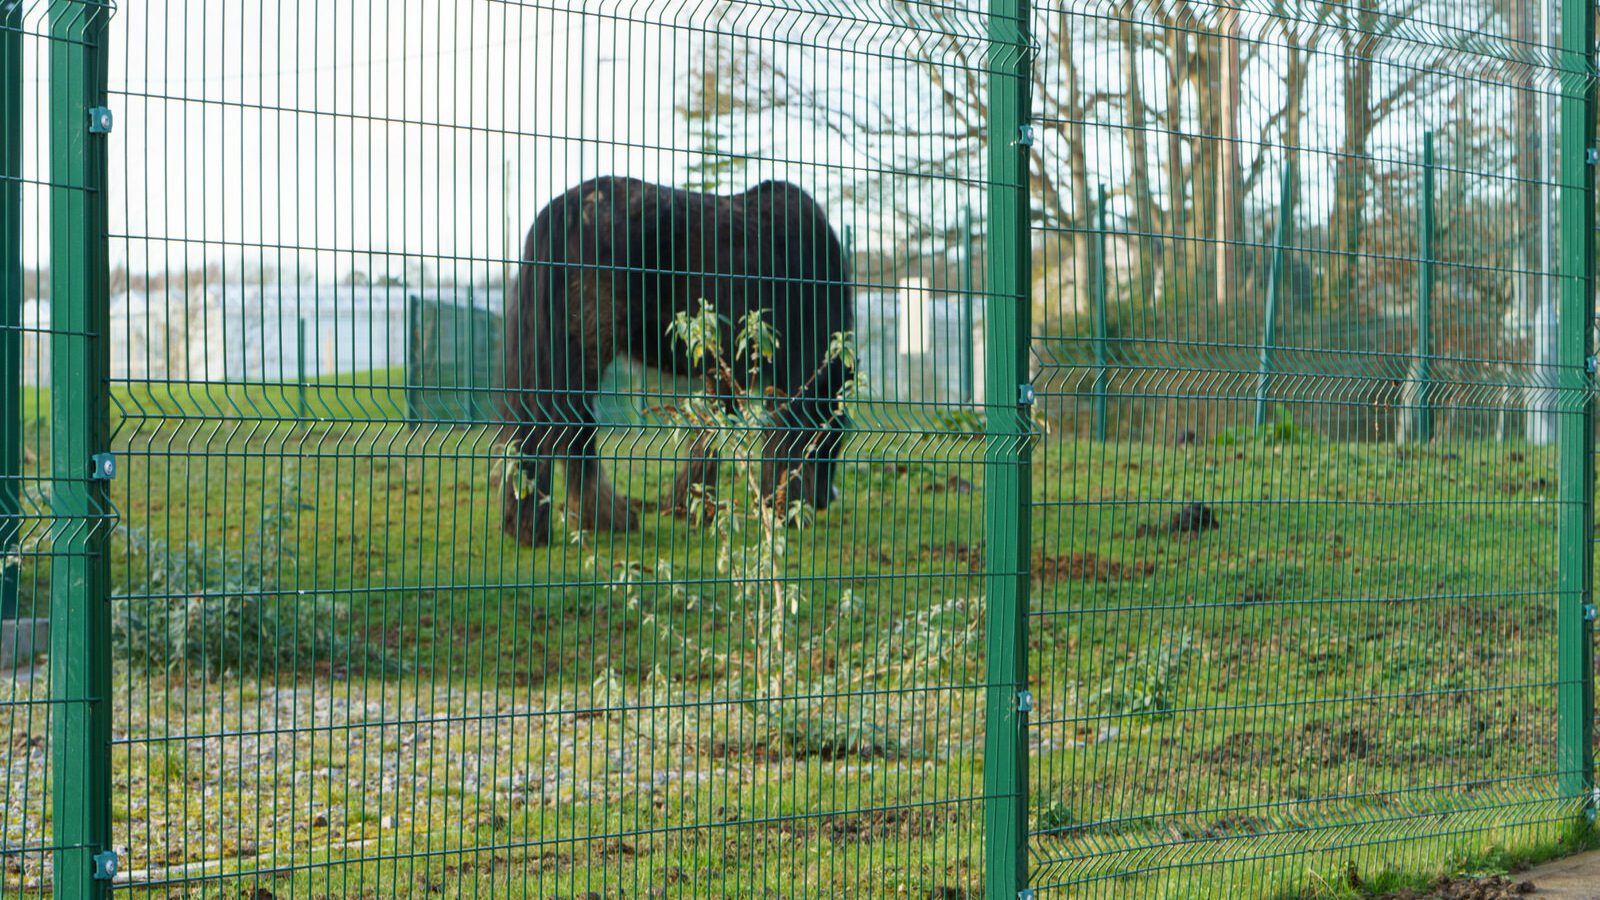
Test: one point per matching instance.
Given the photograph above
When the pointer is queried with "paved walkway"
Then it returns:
(1573, 878)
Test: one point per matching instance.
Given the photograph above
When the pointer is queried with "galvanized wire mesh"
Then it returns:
(702, 449)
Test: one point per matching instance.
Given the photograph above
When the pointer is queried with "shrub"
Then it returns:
(203, 609)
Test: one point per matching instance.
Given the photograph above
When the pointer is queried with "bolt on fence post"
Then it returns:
(1269, 331)
(1008, 455)
(1098, 267)
(10, 305)
(1422, 370)
(968, 335)
(1575, 430)
(80, 608)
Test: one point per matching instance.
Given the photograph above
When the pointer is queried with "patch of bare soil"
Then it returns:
(1087, 567)
(1493, 887)
(1244, 748)
(890, 824)
(970, 555)
(883, 825)
(1330, 745)
(1469, 619)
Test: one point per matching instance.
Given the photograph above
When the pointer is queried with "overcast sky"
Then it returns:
(389, 128)
(372, 170)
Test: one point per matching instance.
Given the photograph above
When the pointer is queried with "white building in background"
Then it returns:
(35, 343)
(165, 336)
(913, 343)
(911, 325)
(250, 332)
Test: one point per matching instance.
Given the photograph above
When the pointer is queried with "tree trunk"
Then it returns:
(1203, 70)
(1531, 290)
(1229, 204)
(1078, 172)
(1294, 117)
(1138, 139)
(1176, 225)
(1350, 169)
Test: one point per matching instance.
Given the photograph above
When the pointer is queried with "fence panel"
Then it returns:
(28, 711)
(55, 512)
(1094, 447)
(1311, 613)
(55, 518)
(341, 668)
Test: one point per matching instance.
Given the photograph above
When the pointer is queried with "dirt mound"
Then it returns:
(1493, 887)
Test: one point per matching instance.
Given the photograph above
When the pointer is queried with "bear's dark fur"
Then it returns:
(606, 267)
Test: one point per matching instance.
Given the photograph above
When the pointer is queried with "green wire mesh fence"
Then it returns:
(868, 448)
(1307, 583)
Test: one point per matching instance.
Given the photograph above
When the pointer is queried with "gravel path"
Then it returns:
(238, 775)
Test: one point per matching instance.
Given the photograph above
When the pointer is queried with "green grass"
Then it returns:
(1353, 673)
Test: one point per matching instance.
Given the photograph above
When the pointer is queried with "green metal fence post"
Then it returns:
(1423, 371)
(81, 466)
(10, 303)
(1008, 400)
(1101, 357)
(1269, 330)
(1575, 432)
(969, 356)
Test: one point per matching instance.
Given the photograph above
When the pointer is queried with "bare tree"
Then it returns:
(1230, 203)
(1531, 288)
(1071, 116)
(935, 126)
(1368, 29)
(1361, 41)
(730, 77)
(1177, 18)
(1136, 118)
(1301, 39)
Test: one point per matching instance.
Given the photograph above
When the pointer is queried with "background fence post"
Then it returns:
(80, 608)
(300, 363)
(969, 357)
(1007, 404)
(1098, 266)
(10, 303)
(414, 365)
(1575, 434)
(1269, 331)
(1423, 372)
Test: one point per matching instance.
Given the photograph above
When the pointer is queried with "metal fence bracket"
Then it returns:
(103, 467)
(100, 120)
(105, 865)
